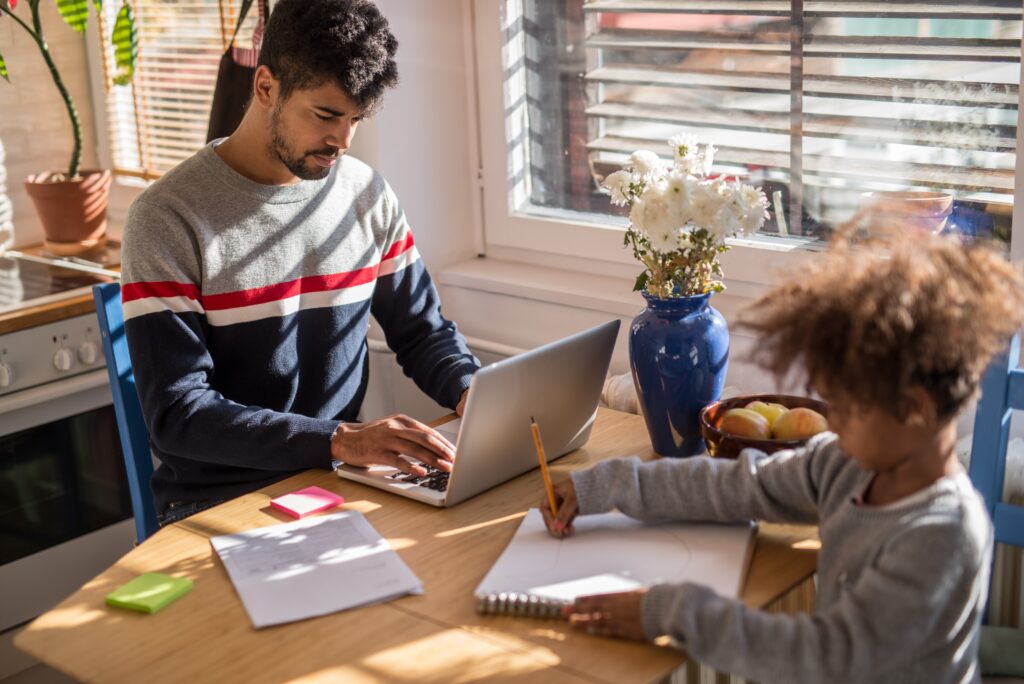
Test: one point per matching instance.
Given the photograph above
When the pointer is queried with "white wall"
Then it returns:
(420, 139)
(34, 124)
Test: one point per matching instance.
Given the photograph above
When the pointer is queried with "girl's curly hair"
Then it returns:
(310, 42)
(868, 322)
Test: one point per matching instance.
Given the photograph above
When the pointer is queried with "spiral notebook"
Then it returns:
(611, 552)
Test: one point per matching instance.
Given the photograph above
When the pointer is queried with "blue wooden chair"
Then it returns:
(131, 427)
(1002, 391)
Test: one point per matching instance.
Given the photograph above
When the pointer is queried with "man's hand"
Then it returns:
(380, 442)
(565, 499)
(610, 615)
(461, 408)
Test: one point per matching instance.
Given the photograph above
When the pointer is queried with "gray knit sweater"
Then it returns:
(901, 587)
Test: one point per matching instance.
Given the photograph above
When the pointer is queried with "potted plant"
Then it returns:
(680, 216)
(72, 203)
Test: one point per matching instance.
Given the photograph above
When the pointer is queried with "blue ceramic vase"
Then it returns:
(679, 352)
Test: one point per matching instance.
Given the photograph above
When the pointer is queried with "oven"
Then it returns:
(65, 508)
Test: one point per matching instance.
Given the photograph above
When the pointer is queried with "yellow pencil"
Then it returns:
(543, 466)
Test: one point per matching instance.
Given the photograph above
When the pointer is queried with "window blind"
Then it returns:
(161, 118)
(823, 99)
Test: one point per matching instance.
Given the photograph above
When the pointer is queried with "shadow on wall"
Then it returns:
(6, 208)
(390, 391)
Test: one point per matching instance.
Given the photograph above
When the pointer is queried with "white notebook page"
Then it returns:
(611, 552)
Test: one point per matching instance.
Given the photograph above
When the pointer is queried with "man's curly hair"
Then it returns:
(869, 322)
(310, 42)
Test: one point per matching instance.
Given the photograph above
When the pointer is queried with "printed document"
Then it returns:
(313, 567)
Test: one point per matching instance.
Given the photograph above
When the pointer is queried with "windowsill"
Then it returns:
(605, 293)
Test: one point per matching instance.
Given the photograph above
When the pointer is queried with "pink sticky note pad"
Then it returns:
(306, 501)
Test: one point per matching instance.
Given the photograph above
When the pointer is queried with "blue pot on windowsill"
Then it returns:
(679, 352)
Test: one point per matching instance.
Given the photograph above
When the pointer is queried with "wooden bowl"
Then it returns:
(725, 445)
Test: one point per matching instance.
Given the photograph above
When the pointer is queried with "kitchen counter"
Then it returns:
(63, 308)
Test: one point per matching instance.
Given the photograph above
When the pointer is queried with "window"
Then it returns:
(820, 102)
(161, 118)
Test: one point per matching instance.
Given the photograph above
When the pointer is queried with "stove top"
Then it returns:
(28, 283)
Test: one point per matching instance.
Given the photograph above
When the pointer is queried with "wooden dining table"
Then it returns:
(206, 635)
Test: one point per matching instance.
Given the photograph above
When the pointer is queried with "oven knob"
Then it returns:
(87, 353)
(63, 359)
(6, 375)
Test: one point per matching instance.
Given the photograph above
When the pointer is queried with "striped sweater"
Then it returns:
(246, 310)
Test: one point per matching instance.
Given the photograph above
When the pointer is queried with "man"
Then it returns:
(251, 269)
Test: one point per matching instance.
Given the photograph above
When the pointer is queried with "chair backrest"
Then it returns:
(138, 460)
(1002, 391)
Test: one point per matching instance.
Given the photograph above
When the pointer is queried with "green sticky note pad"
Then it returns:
(149, 592)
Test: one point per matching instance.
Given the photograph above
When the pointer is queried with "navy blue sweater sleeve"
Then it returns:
(427, 346)
(186, 417)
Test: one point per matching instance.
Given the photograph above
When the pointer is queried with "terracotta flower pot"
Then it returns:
(72, 212)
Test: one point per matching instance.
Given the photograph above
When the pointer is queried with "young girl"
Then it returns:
(896, 340)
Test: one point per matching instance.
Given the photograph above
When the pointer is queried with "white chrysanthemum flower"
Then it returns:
(647, 165)
(754, 205)
(665, 241)
(618, 185)
(684, 188)
(707, 201)
(707, 159)
(684, 146)
(676, 185)
(690, 156)
(656, 215)
(728, 212)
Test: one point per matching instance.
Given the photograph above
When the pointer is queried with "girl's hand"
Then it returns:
(610, 615)
(565, 498)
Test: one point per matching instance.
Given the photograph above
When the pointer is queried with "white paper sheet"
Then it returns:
(313, 567)
(610, 552)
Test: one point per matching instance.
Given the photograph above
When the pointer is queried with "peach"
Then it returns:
(770, 411)
(745, 423)
(799, 423)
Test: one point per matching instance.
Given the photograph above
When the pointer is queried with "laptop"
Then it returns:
(559, 384)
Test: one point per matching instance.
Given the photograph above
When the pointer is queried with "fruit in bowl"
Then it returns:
(745, 422)
(799, 423)
(771, 411)
(786, 422)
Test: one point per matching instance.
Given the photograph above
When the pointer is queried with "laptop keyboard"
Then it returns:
(434, 479)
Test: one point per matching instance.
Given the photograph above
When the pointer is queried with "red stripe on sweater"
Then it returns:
(133, 291)
(292, 288)
(266, 293)
(403, 245)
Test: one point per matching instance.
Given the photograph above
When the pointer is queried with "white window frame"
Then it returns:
(749, 265)
(124, 189)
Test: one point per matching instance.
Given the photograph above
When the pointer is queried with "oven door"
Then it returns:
(65, 510)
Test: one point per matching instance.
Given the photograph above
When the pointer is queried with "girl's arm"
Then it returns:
(782, 487)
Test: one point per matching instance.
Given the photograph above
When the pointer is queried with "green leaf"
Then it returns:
(98, 6)
(3, 69)
(75, 13)
(641, 282)
(126, 45)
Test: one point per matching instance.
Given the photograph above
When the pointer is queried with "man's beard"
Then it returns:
(297, 165)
